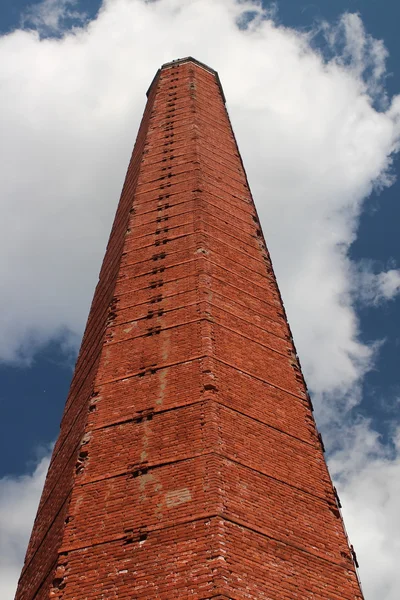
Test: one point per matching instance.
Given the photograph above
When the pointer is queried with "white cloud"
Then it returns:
(19, 499)
(51, 16)
(374, 288)
(388, 284)
(312, 141)
(358, 51)
(368, 481)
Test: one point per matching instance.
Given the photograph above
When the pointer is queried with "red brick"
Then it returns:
(188, 463)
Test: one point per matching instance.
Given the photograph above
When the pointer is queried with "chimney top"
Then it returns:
(181, 61)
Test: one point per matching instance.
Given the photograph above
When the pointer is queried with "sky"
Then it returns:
(313, 94)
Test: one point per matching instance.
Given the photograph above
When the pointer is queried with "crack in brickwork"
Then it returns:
(188, 463)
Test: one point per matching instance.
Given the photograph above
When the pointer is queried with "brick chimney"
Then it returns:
(188, 463)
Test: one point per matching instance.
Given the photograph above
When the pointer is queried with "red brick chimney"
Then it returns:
(188, 463)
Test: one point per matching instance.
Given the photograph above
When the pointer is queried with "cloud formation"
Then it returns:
(52, 16)
(373, 288)
(313, 141)
(367, 475)
(19, 499)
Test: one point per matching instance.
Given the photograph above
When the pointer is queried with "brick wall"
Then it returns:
(188, 463)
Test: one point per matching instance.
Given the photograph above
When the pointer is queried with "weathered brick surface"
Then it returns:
(188, 463)
(207, 485)
(165, 388)
(200, 560)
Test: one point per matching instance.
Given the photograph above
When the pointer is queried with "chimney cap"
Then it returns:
(180, 61)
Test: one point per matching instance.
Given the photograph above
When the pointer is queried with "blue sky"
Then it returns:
(348, 341)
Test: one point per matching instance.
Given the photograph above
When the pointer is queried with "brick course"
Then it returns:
(188, 463)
